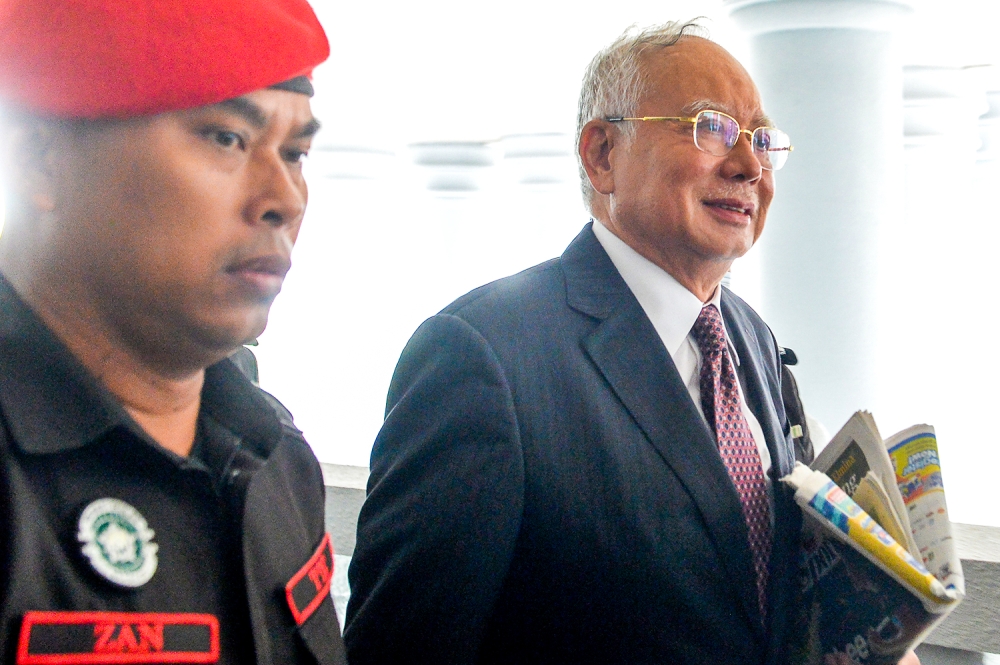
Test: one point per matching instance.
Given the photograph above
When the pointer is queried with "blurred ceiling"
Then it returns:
(447, 70)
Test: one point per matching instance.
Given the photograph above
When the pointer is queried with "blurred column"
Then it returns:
(830, 74)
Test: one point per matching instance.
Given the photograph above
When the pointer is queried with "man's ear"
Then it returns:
(30, 156)
(597, 140)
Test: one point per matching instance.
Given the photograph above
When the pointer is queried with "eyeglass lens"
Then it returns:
(716, 133)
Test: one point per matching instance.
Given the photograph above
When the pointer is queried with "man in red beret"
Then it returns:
(155, 506)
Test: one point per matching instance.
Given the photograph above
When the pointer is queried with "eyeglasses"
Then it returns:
(717, 133)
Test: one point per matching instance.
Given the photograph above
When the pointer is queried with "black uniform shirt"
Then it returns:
(67, 443)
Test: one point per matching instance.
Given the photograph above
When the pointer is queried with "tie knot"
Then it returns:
(708, 331)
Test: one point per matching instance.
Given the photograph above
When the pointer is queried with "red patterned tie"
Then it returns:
(720, 400)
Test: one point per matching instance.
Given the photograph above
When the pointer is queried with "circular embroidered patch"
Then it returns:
(118, 542)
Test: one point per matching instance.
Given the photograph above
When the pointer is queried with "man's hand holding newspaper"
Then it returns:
(879, 568)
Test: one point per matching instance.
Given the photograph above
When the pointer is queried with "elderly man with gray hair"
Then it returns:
(579, 462)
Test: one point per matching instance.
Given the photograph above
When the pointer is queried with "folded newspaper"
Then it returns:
(879, 569)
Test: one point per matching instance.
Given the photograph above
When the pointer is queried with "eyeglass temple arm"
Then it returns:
(652, 118)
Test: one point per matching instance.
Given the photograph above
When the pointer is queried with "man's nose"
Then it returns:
(742, 161)
(281, 193)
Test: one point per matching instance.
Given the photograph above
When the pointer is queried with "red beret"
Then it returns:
(122, 58)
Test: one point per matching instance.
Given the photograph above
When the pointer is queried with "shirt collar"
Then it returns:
(671, 308)
(51, 403)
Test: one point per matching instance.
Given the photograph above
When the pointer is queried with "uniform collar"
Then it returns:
(52, 404)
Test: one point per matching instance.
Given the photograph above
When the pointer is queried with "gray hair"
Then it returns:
(614, 84)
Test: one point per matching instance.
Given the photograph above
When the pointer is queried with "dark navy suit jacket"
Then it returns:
(544, 489)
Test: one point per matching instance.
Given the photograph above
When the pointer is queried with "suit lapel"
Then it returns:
(630, 355)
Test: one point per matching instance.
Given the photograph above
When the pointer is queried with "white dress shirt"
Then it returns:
(673, 311)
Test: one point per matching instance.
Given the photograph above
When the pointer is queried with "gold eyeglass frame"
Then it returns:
(694, 130)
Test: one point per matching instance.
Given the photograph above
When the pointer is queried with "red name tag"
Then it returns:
(311, 585)
(82, 638)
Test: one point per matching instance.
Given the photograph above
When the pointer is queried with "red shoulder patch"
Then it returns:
(311, 585)
(84, 638)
